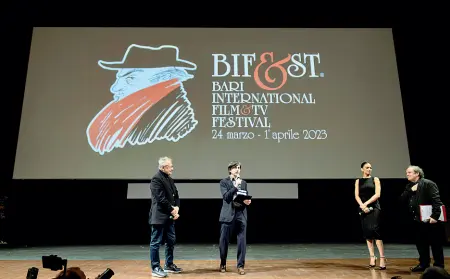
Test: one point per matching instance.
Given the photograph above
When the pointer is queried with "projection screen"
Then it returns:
(106, 103)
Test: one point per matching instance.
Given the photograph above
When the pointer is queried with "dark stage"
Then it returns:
(201, 261)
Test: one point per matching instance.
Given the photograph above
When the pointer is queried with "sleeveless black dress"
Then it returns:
(370, 222)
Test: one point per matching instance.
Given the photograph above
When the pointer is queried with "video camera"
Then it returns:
(56, 263)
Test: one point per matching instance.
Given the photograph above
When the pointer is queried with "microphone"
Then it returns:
(370, 209)
(171, 216)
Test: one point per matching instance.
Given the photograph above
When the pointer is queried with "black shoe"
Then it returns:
(375, 262)
(158, 272)
(382, 267)
(418, 268)
(223, 268)
(172, 269)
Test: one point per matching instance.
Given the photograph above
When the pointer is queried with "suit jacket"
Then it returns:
(228, 191)
(427, 193)
(164, 196)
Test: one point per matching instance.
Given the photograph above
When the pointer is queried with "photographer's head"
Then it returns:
(435, 272)
(71, 273)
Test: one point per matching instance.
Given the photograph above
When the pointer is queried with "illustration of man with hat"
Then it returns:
(149, 100)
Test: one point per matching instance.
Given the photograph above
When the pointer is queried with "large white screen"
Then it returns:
(104, 103)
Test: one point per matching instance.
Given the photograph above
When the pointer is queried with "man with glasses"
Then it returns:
(163, 213)
(430, 232)
(233, 215)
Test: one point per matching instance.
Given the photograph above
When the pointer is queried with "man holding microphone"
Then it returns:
(233, 215)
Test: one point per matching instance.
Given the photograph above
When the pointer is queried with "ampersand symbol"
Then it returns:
(276, 65)
(246, 109)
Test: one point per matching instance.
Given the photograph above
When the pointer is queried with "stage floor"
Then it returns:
(201, 261)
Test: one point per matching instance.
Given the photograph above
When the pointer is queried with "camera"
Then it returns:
(54, 263)
(32, 273)
(107, 274)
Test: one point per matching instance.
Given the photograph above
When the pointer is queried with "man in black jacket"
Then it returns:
(233, 215)
(163, 213)
(421, 191)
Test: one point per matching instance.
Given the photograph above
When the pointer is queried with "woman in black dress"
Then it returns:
(367, 193)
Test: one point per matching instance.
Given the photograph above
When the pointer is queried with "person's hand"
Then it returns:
(414, 188)
(175, 210)
(432, 221)
(366, 210)
(362, 206)
(247, 202)
(176, 216)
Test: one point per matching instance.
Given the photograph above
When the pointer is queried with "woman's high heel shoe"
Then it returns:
(383, 267)
(375, 263)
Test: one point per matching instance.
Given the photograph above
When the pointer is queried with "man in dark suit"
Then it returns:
(233, 215)
(421, 191)
(163, 213)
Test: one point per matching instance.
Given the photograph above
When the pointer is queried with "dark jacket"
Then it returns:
(164, 195)
(228, 191)
(427, 193)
